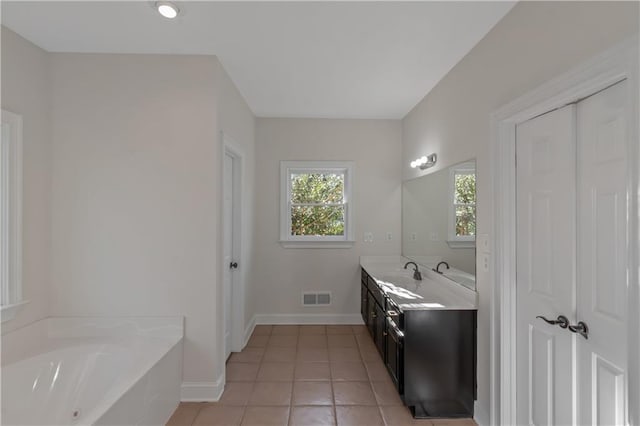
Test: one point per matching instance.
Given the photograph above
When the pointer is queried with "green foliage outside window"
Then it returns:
(465, 204)
(317, 207)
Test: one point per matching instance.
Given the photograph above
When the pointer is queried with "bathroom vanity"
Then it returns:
(425, 332)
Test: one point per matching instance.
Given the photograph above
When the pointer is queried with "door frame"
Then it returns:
(231, 148)
(613, 65)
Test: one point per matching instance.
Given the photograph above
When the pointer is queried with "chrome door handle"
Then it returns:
(562, 321)
(580, 328)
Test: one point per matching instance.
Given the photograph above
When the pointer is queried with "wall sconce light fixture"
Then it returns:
(425, 162)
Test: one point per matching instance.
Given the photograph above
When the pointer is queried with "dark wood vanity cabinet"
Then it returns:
(430, 354)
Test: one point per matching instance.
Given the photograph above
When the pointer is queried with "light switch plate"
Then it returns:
(482, 243)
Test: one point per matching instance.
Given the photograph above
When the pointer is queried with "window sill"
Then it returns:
(317, 244)
(461, 244)
(9, 312)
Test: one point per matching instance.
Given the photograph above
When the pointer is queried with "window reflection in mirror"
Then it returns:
(439, 220)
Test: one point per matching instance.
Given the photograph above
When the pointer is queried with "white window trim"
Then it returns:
(453, 240)
(11, 215)
(289, 241)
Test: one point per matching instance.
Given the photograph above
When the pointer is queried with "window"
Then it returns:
(462, 216)
(315, 205)
(10, 214)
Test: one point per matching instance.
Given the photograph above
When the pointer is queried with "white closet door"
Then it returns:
(602, 258)
(546, 201)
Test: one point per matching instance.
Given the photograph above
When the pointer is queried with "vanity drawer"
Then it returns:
(395, 313)
(376, 292)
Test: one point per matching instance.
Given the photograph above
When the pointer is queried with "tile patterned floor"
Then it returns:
(306, 375)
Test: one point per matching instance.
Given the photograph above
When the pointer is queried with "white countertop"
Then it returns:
(433, 292)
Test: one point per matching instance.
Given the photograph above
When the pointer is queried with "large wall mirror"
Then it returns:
(439, 221)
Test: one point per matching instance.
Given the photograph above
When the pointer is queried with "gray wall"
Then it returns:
(136, 192)
(282, 274)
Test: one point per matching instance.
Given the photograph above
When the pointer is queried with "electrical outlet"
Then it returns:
(435, 236)
(414, 236)
(368, 237)
(389, 236)
(485, 262)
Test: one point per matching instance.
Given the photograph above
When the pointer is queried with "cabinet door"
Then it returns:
(394, 354)
(371, 313)
(363, 302)
(380, 329)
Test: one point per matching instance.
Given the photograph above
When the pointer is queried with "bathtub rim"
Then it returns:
(77, 331)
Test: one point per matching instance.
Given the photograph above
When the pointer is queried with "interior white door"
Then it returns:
(546, 264)
(572, 260)
(603, 257)
(228, 250)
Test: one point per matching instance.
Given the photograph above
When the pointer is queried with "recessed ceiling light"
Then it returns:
(167, 9)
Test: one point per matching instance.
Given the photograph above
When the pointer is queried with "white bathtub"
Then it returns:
(92, 371)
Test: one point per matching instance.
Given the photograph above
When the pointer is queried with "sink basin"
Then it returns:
(400, 276)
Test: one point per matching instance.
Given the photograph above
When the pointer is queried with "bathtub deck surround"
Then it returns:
(92, 371)
(306, 375)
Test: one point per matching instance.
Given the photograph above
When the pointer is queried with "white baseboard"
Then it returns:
(480, 415)
(248, 331)
(202, 391)
(350, 319)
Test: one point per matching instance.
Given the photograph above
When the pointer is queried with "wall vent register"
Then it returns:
(316, 299)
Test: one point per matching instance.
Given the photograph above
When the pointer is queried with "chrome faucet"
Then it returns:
(437, 268)
(417, 275)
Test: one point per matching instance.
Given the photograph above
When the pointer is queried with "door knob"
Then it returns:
(580, 328)
(233, 265)
(562, 321)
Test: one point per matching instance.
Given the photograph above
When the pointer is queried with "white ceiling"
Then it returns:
(288, 59)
